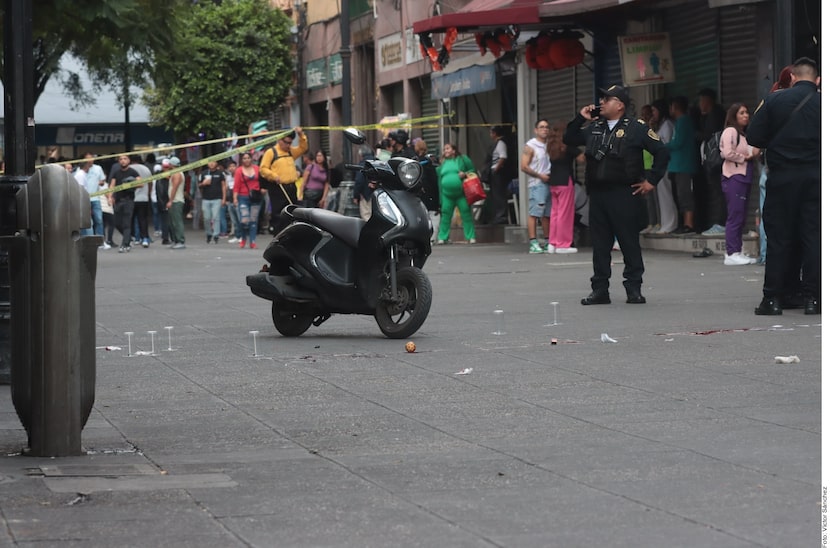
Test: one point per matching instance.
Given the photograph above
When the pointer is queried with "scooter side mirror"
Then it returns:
(355, 136)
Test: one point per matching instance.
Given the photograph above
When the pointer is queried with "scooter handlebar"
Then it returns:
(353, 167)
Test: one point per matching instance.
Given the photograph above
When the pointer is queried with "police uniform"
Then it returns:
(614, 162)
(792, 209)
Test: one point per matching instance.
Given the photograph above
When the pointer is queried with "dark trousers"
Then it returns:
(498, 197)
(278, 202)
(716, 206)
(123, 211)
(164, 223)
(792, 219)
(141, 212)
(616, 212)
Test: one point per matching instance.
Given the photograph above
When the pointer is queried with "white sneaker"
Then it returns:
(566, 250)
(105, 246)
(233, 240)
(736, 259)
(551, 248)
(752, 260)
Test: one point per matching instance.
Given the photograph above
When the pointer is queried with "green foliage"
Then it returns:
(103, 34)
(230, 64)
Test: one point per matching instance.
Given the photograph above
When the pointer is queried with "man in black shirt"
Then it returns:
(788, 126)
(214, 189)
(616, 179)
(123, 201)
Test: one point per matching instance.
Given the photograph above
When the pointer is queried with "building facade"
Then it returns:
(736, 47)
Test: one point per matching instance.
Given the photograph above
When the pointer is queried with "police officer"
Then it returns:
(616, 181)
(788, 125)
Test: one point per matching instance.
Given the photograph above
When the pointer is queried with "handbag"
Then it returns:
(255, 196)
(312, 194)
(473, 189)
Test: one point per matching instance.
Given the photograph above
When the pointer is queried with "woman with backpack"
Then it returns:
(736, 180)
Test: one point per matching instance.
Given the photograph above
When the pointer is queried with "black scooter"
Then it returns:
(325, 263)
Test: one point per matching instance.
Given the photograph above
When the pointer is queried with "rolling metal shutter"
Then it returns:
(693, 31)
(739, 55)
(429, 107)
(556, 94)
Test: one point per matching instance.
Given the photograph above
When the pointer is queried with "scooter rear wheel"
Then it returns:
(401, 315)
(290, 324)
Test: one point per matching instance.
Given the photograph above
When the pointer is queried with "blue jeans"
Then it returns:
(211, 210)
(248, 215)
(97, 219)
(223, 219)
(762, 234)
(233, 211)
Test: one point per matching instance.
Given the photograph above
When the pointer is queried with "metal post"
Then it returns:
(346, 57)
(18, 77)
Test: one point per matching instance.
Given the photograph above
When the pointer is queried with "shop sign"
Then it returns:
(315, 74)
(391, 52)
(646, 59)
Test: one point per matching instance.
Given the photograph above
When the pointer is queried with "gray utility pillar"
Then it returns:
(52, 276)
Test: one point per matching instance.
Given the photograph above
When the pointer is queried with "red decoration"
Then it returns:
(449, 39)
(566, 52)
(480, 43)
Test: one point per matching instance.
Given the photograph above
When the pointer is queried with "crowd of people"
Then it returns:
(227, 199)
(643, 175)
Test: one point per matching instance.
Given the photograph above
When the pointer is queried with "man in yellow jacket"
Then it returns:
(278, 172)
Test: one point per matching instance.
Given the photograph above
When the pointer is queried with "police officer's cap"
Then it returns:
(616, 91)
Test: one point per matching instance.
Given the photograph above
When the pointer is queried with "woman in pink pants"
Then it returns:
(561, 183)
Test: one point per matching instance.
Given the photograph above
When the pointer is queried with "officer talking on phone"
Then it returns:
(616, 181)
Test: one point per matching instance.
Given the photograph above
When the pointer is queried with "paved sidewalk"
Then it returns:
(682, 433)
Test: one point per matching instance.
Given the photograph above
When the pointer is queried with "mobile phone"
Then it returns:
(594, 112)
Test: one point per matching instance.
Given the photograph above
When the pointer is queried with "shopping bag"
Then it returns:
(473, 189)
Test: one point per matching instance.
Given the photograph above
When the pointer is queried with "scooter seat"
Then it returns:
(346, 228)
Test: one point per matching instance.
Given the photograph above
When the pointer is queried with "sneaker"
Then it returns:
(242, 243)
(233, 240)
(551, 248)
(566, 250)
(157, 233)
(216, 239)
(177, 246)
(124, 249)
(208, 239)
(736, 259)
(752, 260)
(105, 246)
(714, 230)
(145, 243)
(441, 242)
(472, 241)
(535, 247)
(253, 245)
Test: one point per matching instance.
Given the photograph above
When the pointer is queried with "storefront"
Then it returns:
(73, 141)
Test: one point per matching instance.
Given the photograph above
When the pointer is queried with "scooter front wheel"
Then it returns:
(290, 324)
(402, 314)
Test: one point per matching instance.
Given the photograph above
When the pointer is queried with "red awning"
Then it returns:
(559, 8)
(484, 13)
(533, 13)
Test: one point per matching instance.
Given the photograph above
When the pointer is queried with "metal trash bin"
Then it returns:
(52, 278)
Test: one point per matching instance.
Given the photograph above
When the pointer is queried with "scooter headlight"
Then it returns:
(388, 208)
(409, 173)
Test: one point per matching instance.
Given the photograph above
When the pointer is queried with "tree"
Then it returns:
(99, 33)
(230, 64)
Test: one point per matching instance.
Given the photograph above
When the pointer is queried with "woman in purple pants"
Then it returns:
(736, 180)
